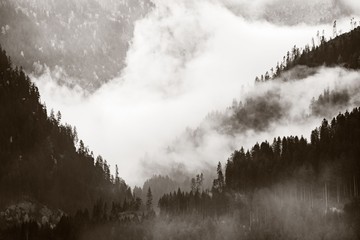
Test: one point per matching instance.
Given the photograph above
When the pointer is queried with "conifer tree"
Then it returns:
(149, 199)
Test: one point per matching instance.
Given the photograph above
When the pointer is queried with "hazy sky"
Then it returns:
(186, 59)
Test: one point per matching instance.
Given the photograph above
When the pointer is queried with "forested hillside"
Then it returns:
(284, 99)
(292, 188)
(39, 156)
(278, 190)
(342, 50)
(85, 42)
(326, 168)
(331, 158)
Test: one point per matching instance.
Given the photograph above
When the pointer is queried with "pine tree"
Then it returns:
(220, 177)
(149, 200)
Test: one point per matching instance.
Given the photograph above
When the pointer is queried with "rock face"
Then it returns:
(85, 41)
(26, 211)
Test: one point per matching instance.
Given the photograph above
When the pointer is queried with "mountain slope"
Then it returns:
(286, 189)
(39, 159)
(83, 42)
(275, 107)
(343, 50)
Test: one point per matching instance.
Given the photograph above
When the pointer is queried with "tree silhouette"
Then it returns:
(149, 197)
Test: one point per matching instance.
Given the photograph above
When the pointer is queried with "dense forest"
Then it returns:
(289, 177)
(342, 50)
(41, 158)
(330, 158)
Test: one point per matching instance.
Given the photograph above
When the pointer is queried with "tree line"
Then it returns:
(342, 50)
(287, 178)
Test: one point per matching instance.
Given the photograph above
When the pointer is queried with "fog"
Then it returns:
(186, 59)
(287, 112)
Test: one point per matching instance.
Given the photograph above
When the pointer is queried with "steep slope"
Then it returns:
(39, 159)
(83, 42)
(343, 50)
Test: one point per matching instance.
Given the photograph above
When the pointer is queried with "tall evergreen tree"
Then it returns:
(149, 199)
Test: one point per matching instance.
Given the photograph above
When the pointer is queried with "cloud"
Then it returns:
(272, 109)
(187, 58)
